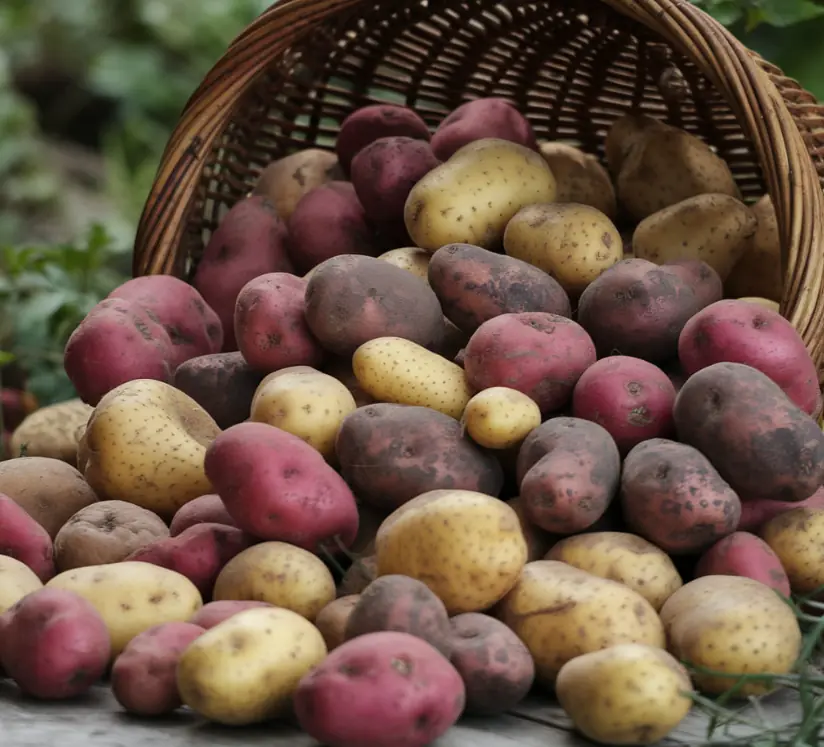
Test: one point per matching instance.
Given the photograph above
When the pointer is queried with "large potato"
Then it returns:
(471, 197)
(561, 612)
(16, 581)
(146, 444)
(795, 537)
(759, 272)
(246, 669)
(581, 178)
(51, 431)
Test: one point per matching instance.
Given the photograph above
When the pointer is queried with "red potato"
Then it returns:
(705, 282)
(542, 355)
(277, 487)
(629, 397)
(370, 123)
(144, 674)
(482, 118)
(208, 509)
(270, 324)
(756, 513)
(383, 689)
(214, 613)
(23, 539)
(743, 332)
(54, 645)
(744, 554)
(117, 341)
(250, 241)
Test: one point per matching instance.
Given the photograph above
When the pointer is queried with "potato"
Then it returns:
(399, 371)
(744, 554)
(207, 509)
(496, 667)
(51, 431)
(341, 369)
(538, 541)
(16, 581)
(105, 532)
(352, 299)
(49, 490)
(277, 487)
(759, 441)
(282, 575)
(622, 557)
(765, 302)
(409, 258)
(223, 384)
(403, 604)
(794, 537)
(55, 645)
(704, 280)
(332, 619)
(306, 403)
(475, 285)
(622, 135)
(759, 272)
(246, 669)
(574, 478)
(471, 197)
(358, 576)
(731, 625)
(756, 513)
(581, 179)
(478, 119)
(625, 694)
(143, 677)
(541, 355)
(631, 398)
(418, 540)
(23, 539)
(573, 243)
(500, 418)
(146, 443)
(380, 690)
(561, 612)
(118, 341)
(214, 613)
(741, 332)
(285, 181)
(250, 241)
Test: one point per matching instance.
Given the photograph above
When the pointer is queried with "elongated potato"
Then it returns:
(500, 418)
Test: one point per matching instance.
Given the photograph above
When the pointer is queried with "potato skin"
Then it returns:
(331, 621)
(794, 537)
(500, 418)
(214, 613)
(580, 177)
(759, 441)
(744, 554)
(538, 541)
(475, 285)
(703, 279)
(358, 576)
(143, 676)
(51, 431)
(352, 299)
(759, 273)
(395, 706)
(208, 509)
(756, 513)
(390, 454)
(23, 539)
(16, 581)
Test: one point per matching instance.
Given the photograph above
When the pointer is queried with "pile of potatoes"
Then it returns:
(442, 417)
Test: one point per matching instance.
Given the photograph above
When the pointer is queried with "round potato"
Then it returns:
(16, 580)
(333, 618)
(278, 573)
(500, 418)
(795, 537)
(52, 431)
(409, 258)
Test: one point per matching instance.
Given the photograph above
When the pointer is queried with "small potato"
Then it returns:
(573, 243)
(756, 513)
(16, 581)
(538, 541)
(105, 532)
(333, 618)
(471, 570)
(246, 670)
(795, 537)
(280, 574)
(500, 418)
(144, 676)
(51, 431)
(561, 612)
(306, 403)
(207, 509)
(496, 667)
(734, 626)
(132, 596)
(395, 370)
(409, 258)
(744, 554)
(358, 576)
(625, 694)
(214, 613)
(581, 179)
(23, 539)
(622, 557)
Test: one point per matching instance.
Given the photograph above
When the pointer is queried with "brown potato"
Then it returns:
(332, 619)
(52, 431)
(580, 177)
(622, 135)
(358, 576)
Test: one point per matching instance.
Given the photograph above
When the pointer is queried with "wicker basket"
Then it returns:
(572, 66)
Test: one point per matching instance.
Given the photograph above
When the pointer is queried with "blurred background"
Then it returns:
(89, 93)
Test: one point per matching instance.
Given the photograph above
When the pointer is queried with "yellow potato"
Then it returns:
(622, 135)
(409, 258)
(306, 403)
(714, 228)
(561, 612)
(472, 196)
(132, 596)
(796, 537)
(731, 625)
(573, 243)
(392, 369)
(52, 431)
(765, 302)
(146, 441)
(16, 580)
(467, 547)
(538, 541)
(246, 669)
(500, 418)
(625, 694)
(580, 177)
(280, 574)
(622, 557)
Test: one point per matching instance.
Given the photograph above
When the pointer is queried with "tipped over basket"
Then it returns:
(571, 66)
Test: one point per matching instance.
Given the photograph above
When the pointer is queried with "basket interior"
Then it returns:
(572, 67)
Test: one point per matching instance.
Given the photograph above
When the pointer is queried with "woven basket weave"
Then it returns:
(571, 66)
